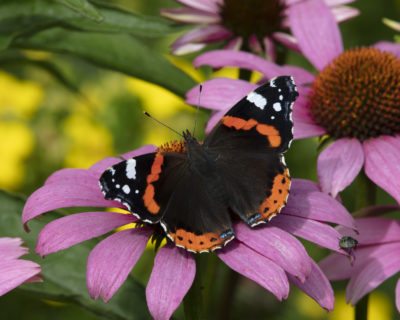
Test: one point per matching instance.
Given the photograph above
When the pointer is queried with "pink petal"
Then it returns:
(255, 45)
(219, 93)
(317, 206)
(344, 13)
(68, 175)
(172, 276)
(339, 164)
(70, 230)
(11, 249)
(204, 5)
(317, 287)
(333, 3)
(15, 272)
(304, 186)
(337, 266)
(314, 231)
(373, 231)
(190, 16)
(111, 261)
(387, 46)
(315, 28)
(55, 196)
(382, 164)
(277, 245)
(256, 267)
(147, 148)
(398, 295)
(287, 40)
(373, 272)
(205, 34)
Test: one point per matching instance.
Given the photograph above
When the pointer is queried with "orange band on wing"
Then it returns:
(240, 124)
(272, 205)
(148, 196)
(200, 243)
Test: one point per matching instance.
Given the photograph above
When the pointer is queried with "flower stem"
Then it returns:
(193, 301)
(366, 196)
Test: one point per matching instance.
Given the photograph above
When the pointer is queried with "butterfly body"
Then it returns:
(194, 189)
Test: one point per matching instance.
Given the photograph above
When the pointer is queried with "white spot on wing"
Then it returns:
(126, 189)
(112, 170)
(272, 117)
(117, 186)
(277, 106)
(131, 169)
(257, 99)
(137, 191)
(281, 97)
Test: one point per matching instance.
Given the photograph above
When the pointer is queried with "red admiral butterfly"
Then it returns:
(192, 189)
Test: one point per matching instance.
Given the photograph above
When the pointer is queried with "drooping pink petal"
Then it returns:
(316, 286)
(339, 164)
(337, 266)
(256, 267)
(15, 272)
(172, 276)
(316, 30)
(190, 16)
(314, 231)
(387, 46)
(70, 230)
(382, 163)
(204, 5)
(255, 45)
(333, 3)
(219, 93)
(182, 49)
(397, 291)
(344, 13)
(207, 34)
(269, 45)
(304, 186)
(10, 248)
(287, 39)
(277, 245)
(317, 206)
(55, 196)
(245, 60)
(374, 271)
(234, 44)
(111, 261)
(147, 148)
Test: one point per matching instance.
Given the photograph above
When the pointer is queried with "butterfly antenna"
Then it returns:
(151, 117)
(197, 110)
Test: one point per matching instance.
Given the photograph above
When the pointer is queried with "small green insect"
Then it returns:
(347, 243)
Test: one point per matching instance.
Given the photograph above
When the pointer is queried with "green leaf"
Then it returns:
(122, 53)
(84, 8)
(64, 273)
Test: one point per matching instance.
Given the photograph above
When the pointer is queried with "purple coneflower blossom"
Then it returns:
(269, 255)
(251, 25)
(14, 271)
(354, 98)
(376, 258)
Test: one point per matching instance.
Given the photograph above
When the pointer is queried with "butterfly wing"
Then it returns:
(250, 140)
(159, 188)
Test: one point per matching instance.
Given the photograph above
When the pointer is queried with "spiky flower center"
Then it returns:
(252, 17)
(173, 146)
(358, 95)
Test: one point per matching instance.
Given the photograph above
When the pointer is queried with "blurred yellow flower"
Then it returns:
(18, 98)
(16, 144)
(88, 141)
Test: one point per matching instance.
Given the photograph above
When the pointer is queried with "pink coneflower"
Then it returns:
(376, 258)
(14, 271)
(269, 255)
(251, 25)
(354, 98)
